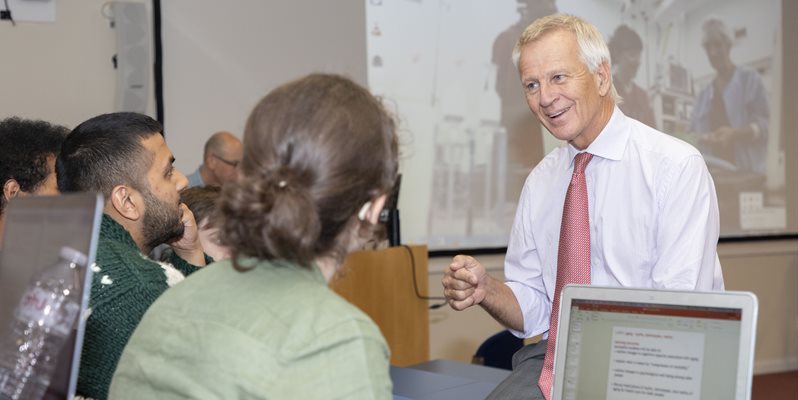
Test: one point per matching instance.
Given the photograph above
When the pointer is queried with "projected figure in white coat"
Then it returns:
(731, 114)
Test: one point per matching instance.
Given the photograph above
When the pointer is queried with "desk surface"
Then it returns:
(443, 379)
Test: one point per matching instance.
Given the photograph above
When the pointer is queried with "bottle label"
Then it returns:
(41, 307)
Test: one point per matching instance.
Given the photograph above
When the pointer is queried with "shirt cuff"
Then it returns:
(524, 296)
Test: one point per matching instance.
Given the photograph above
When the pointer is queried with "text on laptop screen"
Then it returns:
(625, 350)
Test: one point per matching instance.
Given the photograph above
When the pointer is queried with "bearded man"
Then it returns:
(124, 157)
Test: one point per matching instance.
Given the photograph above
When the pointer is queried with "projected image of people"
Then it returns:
(731, 113)
(524, 139)
(708, 72)
(626, 48)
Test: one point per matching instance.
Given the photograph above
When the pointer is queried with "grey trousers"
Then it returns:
(522, 383)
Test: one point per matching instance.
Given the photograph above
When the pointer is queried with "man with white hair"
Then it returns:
(731, 115)
(640, 207)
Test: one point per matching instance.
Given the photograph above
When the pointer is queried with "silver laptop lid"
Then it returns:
(619, 343)
(36, 228)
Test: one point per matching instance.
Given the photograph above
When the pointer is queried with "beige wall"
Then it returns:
(60, 71)
(768, 269)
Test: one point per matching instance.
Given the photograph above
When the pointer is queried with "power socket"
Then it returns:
(5, 14)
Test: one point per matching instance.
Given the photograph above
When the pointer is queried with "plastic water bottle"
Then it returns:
(42, 321)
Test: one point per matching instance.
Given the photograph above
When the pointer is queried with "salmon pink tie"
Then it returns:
(573, 257)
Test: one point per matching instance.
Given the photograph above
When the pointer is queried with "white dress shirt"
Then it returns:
(653, 219)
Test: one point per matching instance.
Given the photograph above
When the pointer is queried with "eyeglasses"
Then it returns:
(228, 162)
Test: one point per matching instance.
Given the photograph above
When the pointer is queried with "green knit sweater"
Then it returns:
(124, 285)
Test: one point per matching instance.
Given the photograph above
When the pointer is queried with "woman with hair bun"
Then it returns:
(320, 154)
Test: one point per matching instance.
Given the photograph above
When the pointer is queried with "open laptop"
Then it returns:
(616, 343)
(35, 230)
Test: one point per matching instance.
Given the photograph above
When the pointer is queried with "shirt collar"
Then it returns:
(611, 141)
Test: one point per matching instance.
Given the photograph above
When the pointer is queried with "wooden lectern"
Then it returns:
(380, 282)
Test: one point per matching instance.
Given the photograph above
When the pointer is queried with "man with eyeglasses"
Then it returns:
(223, 152)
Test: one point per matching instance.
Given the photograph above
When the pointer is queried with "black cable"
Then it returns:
(158, 64)
(415, 282)
(10, 16)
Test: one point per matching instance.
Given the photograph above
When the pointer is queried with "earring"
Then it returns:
(361, 215)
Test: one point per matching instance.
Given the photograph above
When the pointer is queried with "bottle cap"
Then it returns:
(72, 255)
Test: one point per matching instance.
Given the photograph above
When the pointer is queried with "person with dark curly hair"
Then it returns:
(320, 155)
(27, 159)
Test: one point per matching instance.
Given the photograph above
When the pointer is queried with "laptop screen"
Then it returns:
(655, 350)
(623, 343)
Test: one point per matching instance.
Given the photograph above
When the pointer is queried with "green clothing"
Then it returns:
(275, 331)
(125, 283)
